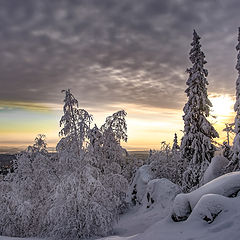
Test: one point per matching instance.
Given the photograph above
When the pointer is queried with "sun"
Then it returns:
(222, 105)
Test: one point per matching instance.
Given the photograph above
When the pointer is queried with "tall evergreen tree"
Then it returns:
(175, 145)
(196, 146)
(235, 162)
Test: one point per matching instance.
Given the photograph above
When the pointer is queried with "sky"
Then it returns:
(113, 55)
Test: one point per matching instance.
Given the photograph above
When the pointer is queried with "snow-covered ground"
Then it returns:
(153, 226)
(213, 215)
(137, 225)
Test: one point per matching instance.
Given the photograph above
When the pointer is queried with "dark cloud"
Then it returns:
(113, 51)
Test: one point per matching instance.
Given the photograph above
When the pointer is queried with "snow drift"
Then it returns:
(227, 185)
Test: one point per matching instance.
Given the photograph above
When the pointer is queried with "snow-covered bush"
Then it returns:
(86, 200)
(82, 206)
(215, 169)
(138, 186)
(209, 207)
(160, 194)
(227, 185)
(25, 193)
(165, 163)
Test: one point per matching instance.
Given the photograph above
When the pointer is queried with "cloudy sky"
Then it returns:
(129, 54)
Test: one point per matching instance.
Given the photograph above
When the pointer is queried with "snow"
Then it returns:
(215, 169)
(138, 187)
(160, 194)
(214, 216)
(151, 225)
(225, 185)
(137, 220)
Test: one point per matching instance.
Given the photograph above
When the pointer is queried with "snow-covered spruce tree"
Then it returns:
(197, 149)
(235, 162)
(175, 146)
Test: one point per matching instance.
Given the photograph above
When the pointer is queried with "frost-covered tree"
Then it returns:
(57, 197)
(69, 119)
(235, 162)
(76, 122)
(164, 162)
(84, 121)
(197, 149)
(87, 199)
(25, 193)
(117, 125)
(113, 131)
(39, 145)
(95, 146)
(82, 204)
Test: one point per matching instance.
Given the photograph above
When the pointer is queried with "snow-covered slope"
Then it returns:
(226, 185)
(213, 216)
(138, 187)
(225, 226)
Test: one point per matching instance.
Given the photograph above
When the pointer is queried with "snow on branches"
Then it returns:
(196, 146)
(235, 162)
(76, 122)
(77, 192)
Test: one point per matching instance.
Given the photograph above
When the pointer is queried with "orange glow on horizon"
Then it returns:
(147, 127)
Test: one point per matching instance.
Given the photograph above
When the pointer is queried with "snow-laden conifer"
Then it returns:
(235, 162)
(175, 146)
(196, 146)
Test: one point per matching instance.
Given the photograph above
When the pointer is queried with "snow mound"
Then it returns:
(160, 194)
(226, 185)
(138, 187)
(211, 205)
(215, 169)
